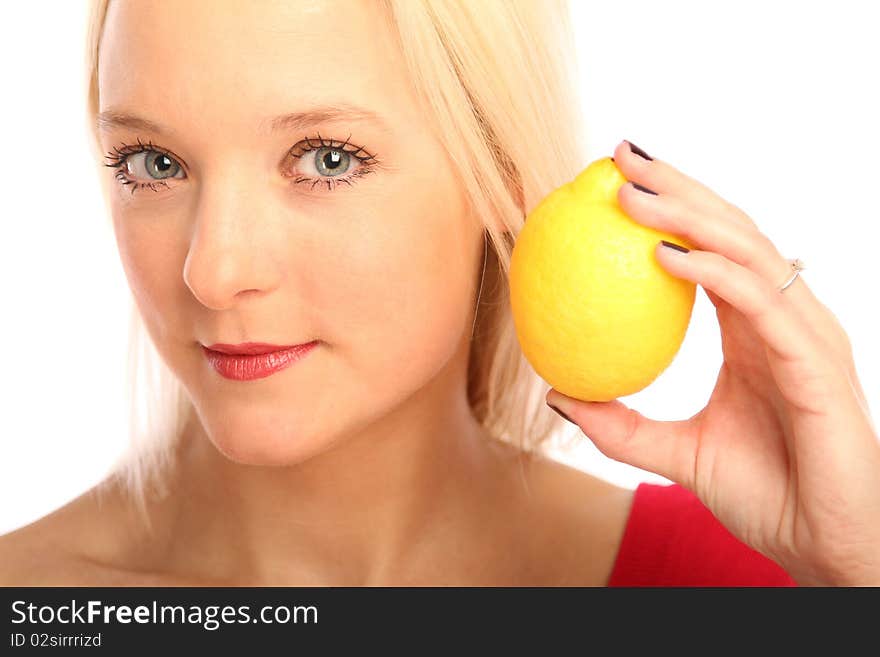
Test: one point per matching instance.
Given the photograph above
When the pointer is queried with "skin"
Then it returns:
(362, 464)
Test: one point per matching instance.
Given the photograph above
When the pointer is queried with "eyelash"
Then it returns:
(119, 156)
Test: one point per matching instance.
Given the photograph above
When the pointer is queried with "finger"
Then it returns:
(663, 178)
(748, 247)
(743, 244)
(667, 448)
(771, 313)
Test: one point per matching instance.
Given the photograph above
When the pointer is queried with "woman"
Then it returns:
(396, 444)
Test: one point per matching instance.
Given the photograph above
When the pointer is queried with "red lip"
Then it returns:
(253, 360)
(252, 348)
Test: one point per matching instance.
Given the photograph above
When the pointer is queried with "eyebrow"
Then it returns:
(336, 112)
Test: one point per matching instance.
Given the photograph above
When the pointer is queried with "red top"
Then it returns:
(672, 539)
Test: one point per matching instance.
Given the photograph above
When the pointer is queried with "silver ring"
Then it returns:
(796, 267)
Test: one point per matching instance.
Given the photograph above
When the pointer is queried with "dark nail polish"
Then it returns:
(561, 413)
(642, 189)
(675, 246)
(638, 151)
(612, 159)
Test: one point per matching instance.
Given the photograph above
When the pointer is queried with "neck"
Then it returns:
(363, 511)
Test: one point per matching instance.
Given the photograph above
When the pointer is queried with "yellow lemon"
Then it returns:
(596, 315)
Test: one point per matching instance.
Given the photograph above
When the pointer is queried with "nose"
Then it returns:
(234, 245)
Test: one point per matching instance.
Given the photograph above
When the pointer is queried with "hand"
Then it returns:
(785, 453)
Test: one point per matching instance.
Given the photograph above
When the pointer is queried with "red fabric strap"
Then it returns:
(672, 539)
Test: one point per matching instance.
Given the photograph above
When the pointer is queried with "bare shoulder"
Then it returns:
(70, 546)
(576, 521)
(41, 552)
(582, 500)
(590, 516)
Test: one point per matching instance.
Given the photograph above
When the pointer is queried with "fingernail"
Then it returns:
(674, 247)
(642, 189)
(638, 151)
(560, 412)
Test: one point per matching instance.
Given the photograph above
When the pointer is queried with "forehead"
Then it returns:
(227, 59)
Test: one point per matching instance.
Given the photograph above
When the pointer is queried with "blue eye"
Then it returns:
(156, 164)
(330, 162)
(143, 165)
(147, 165)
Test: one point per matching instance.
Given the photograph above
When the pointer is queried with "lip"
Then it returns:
(254, 360)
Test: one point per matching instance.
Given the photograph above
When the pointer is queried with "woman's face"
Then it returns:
(241, 227)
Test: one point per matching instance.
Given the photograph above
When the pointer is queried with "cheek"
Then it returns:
(397, 297)
(152, 261)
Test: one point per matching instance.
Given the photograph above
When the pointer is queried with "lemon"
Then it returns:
(596, 315)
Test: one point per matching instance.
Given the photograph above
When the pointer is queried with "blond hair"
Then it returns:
(498, 82)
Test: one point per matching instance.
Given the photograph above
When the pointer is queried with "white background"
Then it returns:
(773, 105)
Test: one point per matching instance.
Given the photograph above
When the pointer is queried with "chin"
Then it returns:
(269, 442)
